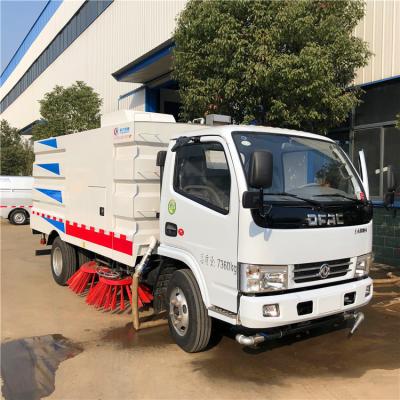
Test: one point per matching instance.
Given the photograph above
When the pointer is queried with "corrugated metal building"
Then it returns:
(123, 50)
(82, 40)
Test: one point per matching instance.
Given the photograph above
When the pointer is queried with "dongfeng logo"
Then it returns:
(324, 271)
(325, 219)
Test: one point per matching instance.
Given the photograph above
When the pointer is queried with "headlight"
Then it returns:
(263, 278)
(363, 264)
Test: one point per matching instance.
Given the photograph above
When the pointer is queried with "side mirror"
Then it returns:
(161, 156)
(260, 169)
(251, 200)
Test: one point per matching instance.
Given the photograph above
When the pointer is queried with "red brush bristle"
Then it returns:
(109, 294)
(81, 278)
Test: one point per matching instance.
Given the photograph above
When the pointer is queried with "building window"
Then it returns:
(381, 146)
(83, 18)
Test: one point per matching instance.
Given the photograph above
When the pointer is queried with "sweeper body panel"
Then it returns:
(99, 190)
(267, 229)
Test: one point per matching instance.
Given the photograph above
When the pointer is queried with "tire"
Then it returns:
(83, 256)
(161, 300)
(18, 217)
(63, 261)
(193, 331)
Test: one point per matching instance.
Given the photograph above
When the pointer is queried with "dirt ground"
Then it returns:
(71, 351)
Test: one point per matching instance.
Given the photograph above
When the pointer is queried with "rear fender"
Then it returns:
(52, 236)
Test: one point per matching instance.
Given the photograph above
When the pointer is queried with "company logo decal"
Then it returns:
(172, 207)
(324, 271)
(360, 230)
(325, 219)
(122, 133)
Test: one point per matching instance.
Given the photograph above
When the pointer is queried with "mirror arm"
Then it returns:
(263, 210)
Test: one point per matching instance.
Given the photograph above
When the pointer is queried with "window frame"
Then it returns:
(360, 130)
(195, 198)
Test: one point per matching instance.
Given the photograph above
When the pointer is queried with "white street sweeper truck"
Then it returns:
(266, 229)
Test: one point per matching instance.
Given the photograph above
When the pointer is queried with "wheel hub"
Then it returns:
(19, 218)
(57, 261)
(178, 311)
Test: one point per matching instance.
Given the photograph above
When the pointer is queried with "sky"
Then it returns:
(17, 17)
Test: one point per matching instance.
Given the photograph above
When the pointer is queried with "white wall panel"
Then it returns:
(134, 101)
(381, 29)
(125, 31)
(128, 29)
(64, 13)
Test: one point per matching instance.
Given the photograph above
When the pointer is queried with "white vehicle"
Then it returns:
(16, 198)
(267, 229)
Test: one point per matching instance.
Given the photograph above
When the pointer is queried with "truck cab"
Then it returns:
(275, 226)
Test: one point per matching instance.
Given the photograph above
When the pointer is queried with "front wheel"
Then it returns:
(63, 261)
(18, 217)
(188, 320)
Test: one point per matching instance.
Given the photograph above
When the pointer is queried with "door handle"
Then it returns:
(171, 229)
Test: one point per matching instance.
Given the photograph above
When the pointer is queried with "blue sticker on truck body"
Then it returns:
(58, 224)
(52, 167)
(49, 142)
(54, 194)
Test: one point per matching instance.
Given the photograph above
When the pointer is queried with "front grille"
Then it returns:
(312, 271)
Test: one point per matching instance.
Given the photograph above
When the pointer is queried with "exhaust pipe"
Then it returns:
(358, 318)
(258, 338)
(249, 340)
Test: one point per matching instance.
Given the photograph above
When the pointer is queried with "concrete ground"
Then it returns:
(116, 363)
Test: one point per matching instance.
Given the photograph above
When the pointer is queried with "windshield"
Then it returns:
(308, 168)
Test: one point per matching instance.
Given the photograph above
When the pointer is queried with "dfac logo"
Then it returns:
(324, 271)
(325, 219)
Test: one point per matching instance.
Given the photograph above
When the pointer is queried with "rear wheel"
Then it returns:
(83, 256)
(188, 320)
(63, 261)
(18, 217)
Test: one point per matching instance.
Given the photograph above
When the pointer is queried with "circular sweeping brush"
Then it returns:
(86, 274)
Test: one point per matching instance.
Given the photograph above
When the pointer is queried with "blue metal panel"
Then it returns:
(152, 100)
(391, 78)
(52, 167)
(146, 62)
(44, 17)
(54, 194)
(59, 225)
(379, 203)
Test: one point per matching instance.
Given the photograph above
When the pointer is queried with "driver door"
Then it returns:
(203, 205)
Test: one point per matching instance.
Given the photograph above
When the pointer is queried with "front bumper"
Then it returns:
(325, 301)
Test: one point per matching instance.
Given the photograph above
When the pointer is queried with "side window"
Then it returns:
(202, 174)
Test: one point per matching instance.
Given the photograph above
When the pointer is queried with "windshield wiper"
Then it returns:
(313, 202)
(337, 195)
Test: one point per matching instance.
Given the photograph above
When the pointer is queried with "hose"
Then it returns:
(135, 285)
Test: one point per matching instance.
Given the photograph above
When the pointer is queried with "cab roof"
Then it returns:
(226, 130)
